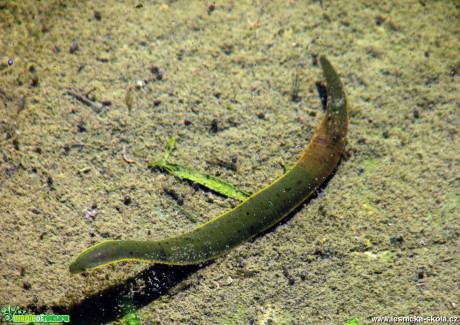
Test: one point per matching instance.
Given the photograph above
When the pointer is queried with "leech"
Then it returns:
(259, 212)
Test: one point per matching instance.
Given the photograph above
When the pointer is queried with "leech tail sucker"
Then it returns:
(259, 212)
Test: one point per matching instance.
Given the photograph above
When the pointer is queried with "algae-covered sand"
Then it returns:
(381, 238)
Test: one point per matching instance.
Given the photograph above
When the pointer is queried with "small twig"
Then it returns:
(85, 100)
(129, 101)
(21, 105)
(129, 161)
(295, 89)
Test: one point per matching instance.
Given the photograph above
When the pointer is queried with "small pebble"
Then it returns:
(16, 143)
(66, 148)
(34, 81)
(154, 69)
(234, 158)
(49, 181)
(127, 200)
(81, 128)
(421, 273)
(73, 48)
(303, 275)
(97, 15)
(396, 240)
(211, 8)
(261, 115)
(214, 125)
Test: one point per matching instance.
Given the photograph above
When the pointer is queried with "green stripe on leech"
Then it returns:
(258, 213)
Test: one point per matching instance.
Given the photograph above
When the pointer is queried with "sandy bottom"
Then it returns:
(94, 92)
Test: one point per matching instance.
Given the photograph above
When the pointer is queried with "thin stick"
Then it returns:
(129, 161)
(85, 100)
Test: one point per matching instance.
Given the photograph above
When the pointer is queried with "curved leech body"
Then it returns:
(258, 213)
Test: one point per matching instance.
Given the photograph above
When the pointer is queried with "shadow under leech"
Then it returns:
(115, 302)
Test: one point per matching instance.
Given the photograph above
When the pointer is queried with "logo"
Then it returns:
(18, 315)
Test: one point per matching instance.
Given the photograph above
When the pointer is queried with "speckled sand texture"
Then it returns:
(382, 237)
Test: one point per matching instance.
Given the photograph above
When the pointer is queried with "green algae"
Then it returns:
(189, 173)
